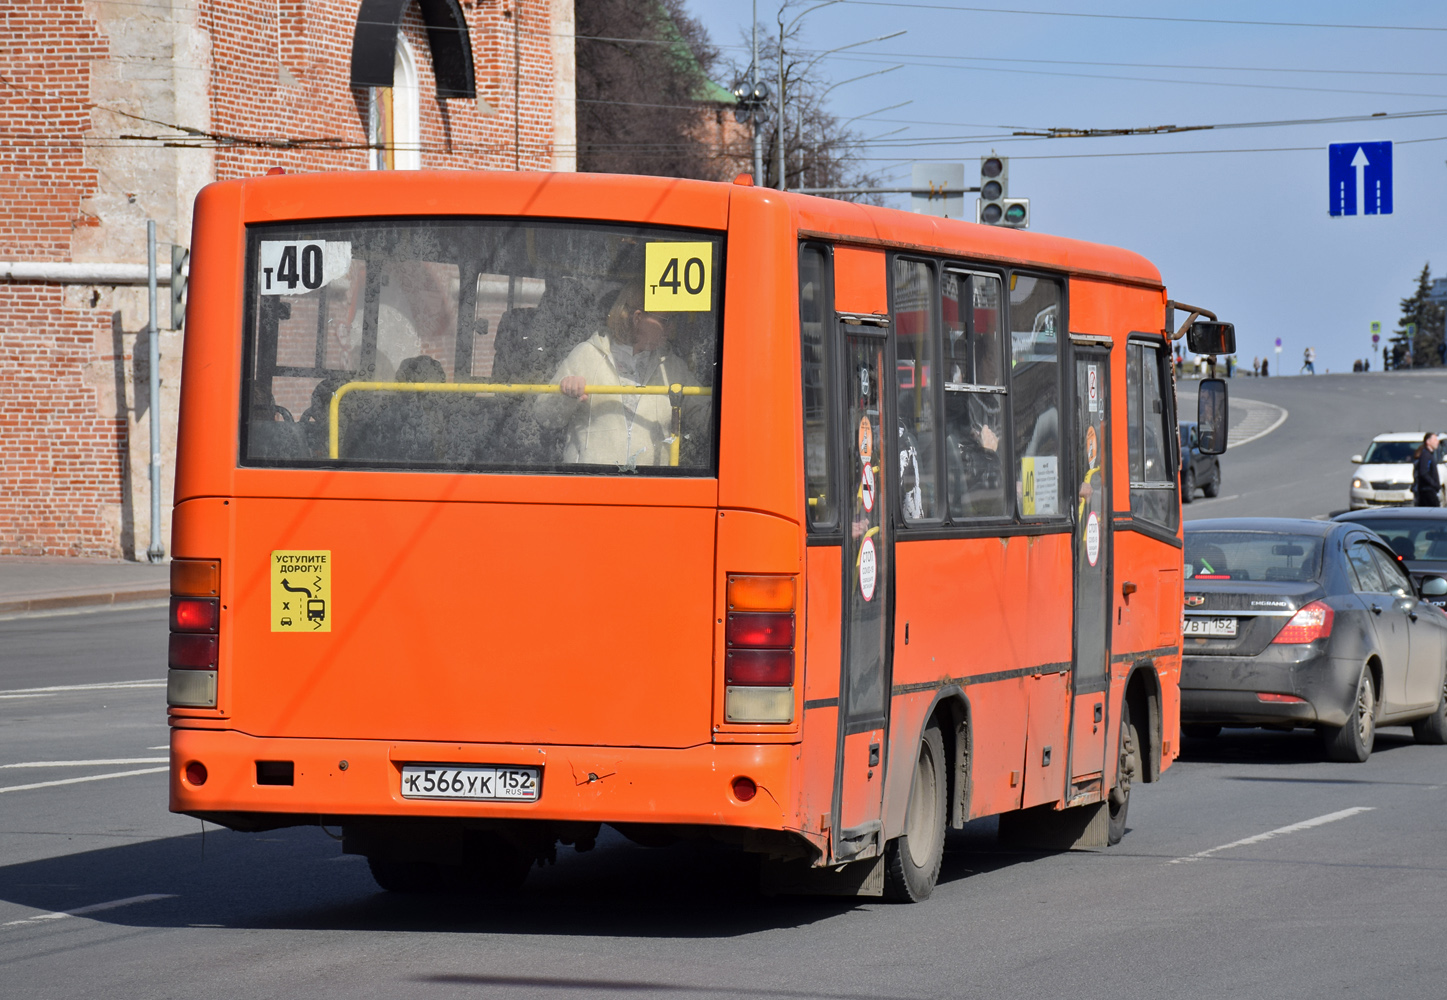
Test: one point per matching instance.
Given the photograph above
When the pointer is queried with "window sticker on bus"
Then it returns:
(866, 488)
(868, 569)
(1038, 473)
(866, 440)
(1092, 538)
(301, 590)
(678, 277)
(295, 268)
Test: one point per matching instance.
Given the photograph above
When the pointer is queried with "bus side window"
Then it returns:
(1152, 474)
(816, 309)
(1035, 322)
(915, 302)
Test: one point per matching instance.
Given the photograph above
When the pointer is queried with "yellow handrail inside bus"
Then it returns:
(474, 388)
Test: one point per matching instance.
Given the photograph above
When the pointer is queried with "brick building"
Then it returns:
(115, 113)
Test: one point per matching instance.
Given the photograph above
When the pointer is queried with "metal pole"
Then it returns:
(156, 552)
(779, 141)
(758, 137)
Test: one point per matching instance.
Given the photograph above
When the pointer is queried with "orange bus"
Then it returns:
(510, 505)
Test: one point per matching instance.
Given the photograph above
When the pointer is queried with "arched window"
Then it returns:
(396, 120)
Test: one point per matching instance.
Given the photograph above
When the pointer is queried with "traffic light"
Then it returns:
(179, 257)
(994, 206)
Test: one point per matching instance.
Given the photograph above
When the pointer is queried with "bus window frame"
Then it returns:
(1004, 389)
(1128, 520)
(936, 337)
(830, 533)
(1013, 522)
(252, 232)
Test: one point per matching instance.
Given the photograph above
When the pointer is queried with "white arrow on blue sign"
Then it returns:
(1361, 178)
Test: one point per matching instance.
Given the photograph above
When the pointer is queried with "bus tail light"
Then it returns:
(759, 658)
(1307, 625)
(192, 655)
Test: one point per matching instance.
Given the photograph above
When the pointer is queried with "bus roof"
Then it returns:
(668, 201)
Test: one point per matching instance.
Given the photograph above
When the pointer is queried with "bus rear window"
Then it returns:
(482, 346)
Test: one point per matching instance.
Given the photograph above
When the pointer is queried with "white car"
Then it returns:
(1384, 478)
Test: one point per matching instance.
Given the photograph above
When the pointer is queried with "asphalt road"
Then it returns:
(1254, 869)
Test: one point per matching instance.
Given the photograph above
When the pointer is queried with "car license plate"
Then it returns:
(472, 781)
(1222, 627)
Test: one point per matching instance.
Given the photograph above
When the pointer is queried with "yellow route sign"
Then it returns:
(678, 277)
(301, 590)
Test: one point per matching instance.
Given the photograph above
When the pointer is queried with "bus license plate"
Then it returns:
(485, 782)
(1221, 627)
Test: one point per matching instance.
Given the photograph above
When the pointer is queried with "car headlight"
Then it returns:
(1359, 484)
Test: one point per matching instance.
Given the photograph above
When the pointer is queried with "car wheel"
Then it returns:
(1126, 771)
(1213, 485)
(912, 861)
(1188, 491)
(1433, 729)
(1353, 741)
(1200, 730)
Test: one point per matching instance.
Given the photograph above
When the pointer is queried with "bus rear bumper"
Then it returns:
(333, 779)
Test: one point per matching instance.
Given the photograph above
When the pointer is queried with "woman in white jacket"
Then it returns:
(622, 430)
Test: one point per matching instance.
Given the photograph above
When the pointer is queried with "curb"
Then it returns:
(50, 602)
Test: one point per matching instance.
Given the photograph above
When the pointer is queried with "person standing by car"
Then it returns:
(1426, 483)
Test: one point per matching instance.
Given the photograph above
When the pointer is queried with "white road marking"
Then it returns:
(1233, 496)
(77, 781)
(88, 609)
(98, 686)
(1305, 824)
(89, 763)
(1236, 443)
(81, 911)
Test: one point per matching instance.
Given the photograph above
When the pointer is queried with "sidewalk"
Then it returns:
(44, 582)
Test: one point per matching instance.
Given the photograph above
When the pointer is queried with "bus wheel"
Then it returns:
(412, 876)
(912, 861)
(1125, 772)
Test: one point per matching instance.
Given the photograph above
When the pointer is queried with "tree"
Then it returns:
(642, 85)
(1426, 317)
(819, 152)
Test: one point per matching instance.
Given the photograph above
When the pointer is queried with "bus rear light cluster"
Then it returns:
(759, 655)
(193, 652)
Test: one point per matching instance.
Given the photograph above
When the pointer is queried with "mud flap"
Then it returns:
(1045, 828)
(797, 878)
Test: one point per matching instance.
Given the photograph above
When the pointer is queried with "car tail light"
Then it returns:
(759, 658)
(1280, 699)
(1307, 625)
(193, 652)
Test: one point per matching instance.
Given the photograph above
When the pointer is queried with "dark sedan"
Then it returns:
(1417, 534)
(1297, 623)
(1198, 469)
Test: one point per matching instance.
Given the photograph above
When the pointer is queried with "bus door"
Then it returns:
(868, 591)
(1090, 680)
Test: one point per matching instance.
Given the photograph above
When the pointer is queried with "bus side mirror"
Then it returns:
(1211, 338)
(1211, 416)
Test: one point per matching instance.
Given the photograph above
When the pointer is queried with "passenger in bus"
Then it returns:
(617, 429)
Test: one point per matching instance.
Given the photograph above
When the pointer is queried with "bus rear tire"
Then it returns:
(1127, 770)
(912, 860)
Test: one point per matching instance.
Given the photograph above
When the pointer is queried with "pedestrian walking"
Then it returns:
(1256, 365)
(1426, 482)
(1265, 367)
(1308, 361)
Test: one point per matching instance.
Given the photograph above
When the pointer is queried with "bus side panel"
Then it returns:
(1040, 569)
(859, 281)
(954, 597)
(821, 668)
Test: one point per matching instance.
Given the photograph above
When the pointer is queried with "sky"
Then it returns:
(1236, 219)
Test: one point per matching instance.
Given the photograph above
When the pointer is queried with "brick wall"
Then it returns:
(82, 80)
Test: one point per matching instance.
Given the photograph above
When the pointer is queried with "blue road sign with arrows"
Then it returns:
(1361, 178)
